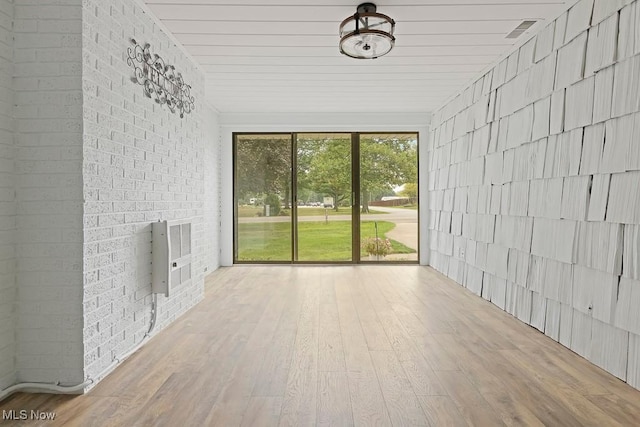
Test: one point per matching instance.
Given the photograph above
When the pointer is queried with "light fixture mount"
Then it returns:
(366, 8)
(367, 34)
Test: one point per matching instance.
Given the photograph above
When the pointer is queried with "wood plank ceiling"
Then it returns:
(282, 55)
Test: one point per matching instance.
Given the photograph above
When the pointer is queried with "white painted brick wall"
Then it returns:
(212, 187)
(7, 201)
(87, 163)
(142, 163)
(48, 119)
(566, 159)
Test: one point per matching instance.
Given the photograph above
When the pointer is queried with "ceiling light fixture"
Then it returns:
(367, 34)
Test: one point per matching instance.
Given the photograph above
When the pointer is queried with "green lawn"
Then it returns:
(245, 211)
(318, 241)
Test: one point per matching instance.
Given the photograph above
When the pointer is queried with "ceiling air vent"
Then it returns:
(517, 32)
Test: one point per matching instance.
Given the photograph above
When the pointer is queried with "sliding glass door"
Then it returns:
(262, 182)
(325, 197)
(389, 197)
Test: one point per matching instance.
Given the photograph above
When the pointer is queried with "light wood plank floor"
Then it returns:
(341, 346)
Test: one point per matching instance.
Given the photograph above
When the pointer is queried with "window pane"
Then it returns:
(324, 197)
(389, 197)
(263, 197)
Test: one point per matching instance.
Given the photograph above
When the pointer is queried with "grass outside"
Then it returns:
(245, 211)
(317, 241)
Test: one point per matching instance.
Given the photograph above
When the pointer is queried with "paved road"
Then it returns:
(405, 231)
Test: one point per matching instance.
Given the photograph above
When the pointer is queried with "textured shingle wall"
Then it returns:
(535, 184)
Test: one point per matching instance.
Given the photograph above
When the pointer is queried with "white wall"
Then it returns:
(212, 188)
(87, 163)
(48, 110)
(142, 163)
(311, 122)
(534, 184)
(7, 201)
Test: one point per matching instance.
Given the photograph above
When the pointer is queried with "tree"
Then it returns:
(263, 166)
(410, 191)
(386, 161)
(273, 201)
(324, 166)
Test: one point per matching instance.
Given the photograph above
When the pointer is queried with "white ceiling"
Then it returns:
(282, 55)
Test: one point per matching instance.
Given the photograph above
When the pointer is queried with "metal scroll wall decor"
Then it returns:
(159, 80)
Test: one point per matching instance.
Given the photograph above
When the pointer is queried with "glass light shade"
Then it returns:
(367, 35)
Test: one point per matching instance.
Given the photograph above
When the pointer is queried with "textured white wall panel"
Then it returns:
(633, 364)
(566, 324)
(627, 315)
(624, 198)
(541, 79)
(599, 198)
(560, 31)
(556, 123)
(526, 55)
(570, 65)
(538, 311)
(518, 266)
(520, 127)
(631, 252)
(581, 326)
(602, 9)
(544, 42)
(603, 95)
(626, 87)
(609, 348)
(575, 197)
(628, 37)
(541, 118)
(579, 104)
(579, 19)
(595, 293)
(555, 189)
(601, 45)
(599, 246)
(552, 320)
(592, 147)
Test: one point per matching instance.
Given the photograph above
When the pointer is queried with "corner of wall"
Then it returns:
(8, 291)
(48, 137)
(212, 210)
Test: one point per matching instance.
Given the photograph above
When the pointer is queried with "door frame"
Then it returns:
(355, 199)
